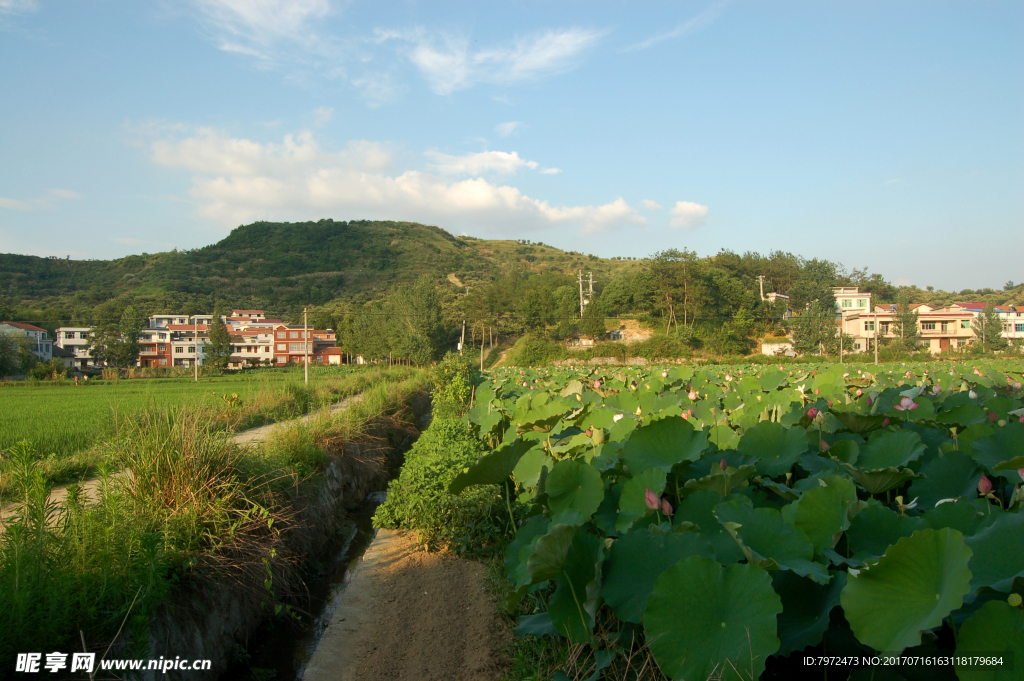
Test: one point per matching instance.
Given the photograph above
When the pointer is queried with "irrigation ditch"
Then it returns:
(229, 617)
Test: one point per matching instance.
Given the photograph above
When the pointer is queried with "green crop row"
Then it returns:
(729, 520)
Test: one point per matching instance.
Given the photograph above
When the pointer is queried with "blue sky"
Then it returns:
(881, 134)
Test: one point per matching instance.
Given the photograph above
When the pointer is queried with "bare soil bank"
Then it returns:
(409, 615)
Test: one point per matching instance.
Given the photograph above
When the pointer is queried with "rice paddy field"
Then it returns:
(66, 424)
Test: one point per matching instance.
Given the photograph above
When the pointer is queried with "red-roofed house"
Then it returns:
(41, 346)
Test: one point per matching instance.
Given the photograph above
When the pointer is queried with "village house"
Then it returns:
(39, 339)
(75, 339)
(1010, 318)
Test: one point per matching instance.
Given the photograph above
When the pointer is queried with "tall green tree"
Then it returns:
(218, 350)
(592, 323)
(905, 325)
(815, 331)
(989, 330)
(118, 346)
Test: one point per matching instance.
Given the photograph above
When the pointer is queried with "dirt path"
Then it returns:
(408, 615)
(89, 488)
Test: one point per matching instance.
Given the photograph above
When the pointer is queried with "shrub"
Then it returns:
(453, 380)
(471, 523)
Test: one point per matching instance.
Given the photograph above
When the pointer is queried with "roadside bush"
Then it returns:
(472, 523)
(453, 380)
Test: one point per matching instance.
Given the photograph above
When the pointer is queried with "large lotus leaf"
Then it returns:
(822, 512)
(572, 387)
(965, 439)
(536, 625)
(995, 628)
(573, 606)
(519, 550)
(698, 508)
(876, 528)
(574, 485)
(724, 437)
(549, 554)
(919, 580)
(777, 446)
(953, 474)
(962, 516)
(608, 512)
(637, 560)
(493, 469)
(998, 553)
(541, 418)
(805, 608)
(767, 540)
(881, 480)
(704, 621)
(721, 481)
(624, 401)
(662, 444)
(632, 503)
(856, 423)
(1003, 445)
(890, 449)
(772, 380)
(527, 471)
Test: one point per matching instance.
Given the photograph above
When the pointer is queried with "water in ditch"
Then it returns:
(282, 646)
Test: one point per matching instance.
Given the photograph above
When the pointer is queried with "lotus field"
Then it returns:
(740, 518)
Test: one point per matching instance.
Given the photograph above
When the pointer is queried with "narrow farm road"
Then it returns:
(89, 488)
(409, 615)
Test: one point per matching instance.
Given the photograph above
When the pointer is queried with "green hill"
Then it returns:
(274, 266)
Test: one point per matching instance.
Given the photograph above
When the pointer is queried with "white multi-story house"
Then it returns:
(1010, 317)
(75, 339)
(40, 344)
(851, 300)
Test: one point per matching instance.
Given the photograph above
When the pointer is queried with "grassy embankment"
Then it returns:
(68, 425)
(196, 507)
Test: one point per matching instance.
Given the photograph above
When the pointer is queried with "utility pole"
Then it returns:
(760, 279)
(482, 338)
(305, 346)
(875, 324)
(462, 343)
(579, 280)
(590, 290)
(195, 348)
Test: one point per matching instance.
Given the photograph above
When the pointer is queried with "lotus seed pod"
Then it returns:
(1014, 600)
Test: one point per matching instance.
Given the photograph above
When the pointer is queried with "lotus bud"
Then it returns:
(984, 485)
(817, 391)
(885, 423)
(1014, 600)
(617, 418)
(814, 373)
(651, 499)
(824, 446)
(936, 389)
(590, 432)
(1021, 420)
(1020, 472)
(993, 417)
(597, 384)
(820, 418)
(664, 374)
(692, 395)
(973, 395)
(906, 404)
(666, 508)
(869, 399)
(728, 377)
(812, 412)
(1016, 385)
(846, 374)
(723, 465)
(829, 402)
(861, 392)
(686, 417)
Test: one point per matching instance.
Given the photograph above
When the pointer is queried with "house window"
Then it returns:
(885, 328)
(282, 360)
(965, 323)
(163, 361)
(69, 334)
(847, 302)
(295, 347)
(862, 302)
(282, 347)
(1019, 328)
(179, 350)
(869, 326)
(280, 334)
(856, 346)
(928, 326)
(293, 334)
(945, 327)
(191, 348)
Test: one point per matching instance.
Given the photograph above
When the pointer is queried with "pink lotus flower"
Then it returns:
(1016, 385)
(906, 404)
(666, 508)
(846, 374)
(885, 423)
(861, 392)
(692, 395)
(812, 412)
(936, 389)
(597, 384)
(723, 465)
(984, 485)
(651, 499)
(728, 377)
(824, 446)
(908, 374)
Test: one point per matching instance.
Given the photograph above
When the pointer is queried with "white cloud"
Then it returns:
(688, 214)
(16, 6)
(322, 115)
(237, 181)
(506, 129)
(255, 27)
(503, 162)
(701, 20)
(448, 65)
(64, 194)
(551, 171)
(14, 204)
(647, 204)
